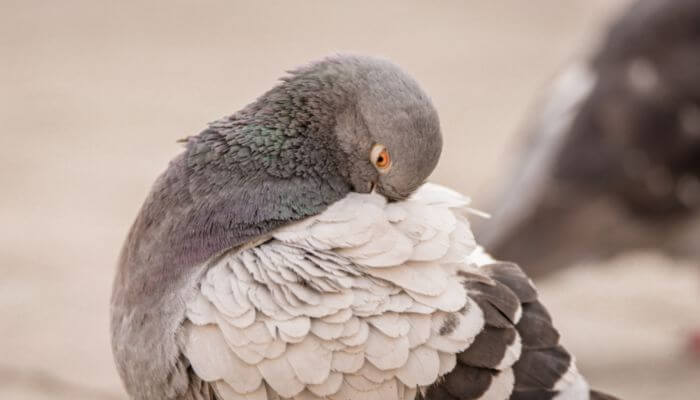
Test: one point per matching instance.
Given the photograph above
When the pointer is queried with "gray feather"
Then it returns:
(488, 348)
(499, 304)
(535, 327)
(542, 362)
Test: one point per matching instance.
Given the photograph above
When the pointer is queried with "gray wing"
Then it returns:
(512, 312)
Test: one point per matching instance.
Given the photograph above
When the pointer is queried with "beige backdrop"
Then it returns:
(94, 94)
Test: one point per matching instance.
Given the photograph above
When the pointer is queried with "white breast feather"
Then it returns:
(344, 305)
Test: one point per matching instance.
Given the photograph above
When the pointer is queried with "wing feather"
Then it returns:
(370, 300)
(212, 360)
(517, 354)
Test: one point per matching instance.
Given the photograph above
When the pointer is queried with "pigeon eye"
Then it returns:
(380, 157)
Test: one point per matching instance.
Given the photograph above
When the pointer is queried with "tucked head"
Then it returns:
(387, 129)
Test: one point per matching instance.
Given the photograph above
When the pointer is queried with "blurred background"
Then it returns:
(96, 93)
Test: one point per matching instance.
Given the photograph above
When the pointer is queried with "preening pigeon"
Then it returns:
(293, 251)
(612, 162)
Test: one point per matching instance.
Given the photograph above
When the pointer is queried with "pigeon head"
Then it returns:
(378, 128)
(389, 131)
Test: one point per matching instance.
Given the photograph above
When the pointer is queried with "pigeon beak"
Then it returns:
(372, 186)
(389, 192)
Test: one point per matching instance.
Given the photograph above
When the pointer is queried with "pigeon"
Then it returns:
(294, 250)
(612, 158)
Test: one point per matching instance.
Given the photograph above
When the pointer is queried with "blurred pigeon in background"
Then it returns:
(294, 251)
(612, 161)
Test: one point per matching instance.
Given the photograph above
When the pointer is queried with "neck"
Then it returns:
(272, 163)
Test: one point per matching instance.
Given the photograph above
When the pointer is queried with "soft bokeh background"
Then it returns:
(94, 95)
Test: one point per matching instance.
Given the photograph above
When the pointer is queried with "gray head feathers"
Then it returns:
(358, 102)
(385, 106)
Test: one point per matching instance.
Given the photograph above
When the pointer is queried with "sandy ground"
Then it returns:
(95, 94)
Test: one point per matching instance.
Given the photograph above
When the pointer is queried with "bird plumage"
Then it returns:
(309, 315)
(277, 259)
(300, 147)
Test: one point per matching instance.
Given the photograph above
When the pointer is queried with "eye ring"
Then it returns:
(379, 156)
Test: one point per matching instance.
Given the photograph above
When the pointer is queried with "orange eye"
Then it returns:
(383, 159)
(380, 157)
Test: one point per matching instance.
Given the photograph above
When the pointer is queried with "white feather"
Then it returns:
(570, 377)
(512, 354)
(220, 293)
(390, 324)
(433, 248)
(462, 244)
(361, 384)
(339, 317)
(278, 373)
(448, 361)
(470, 322)
(386, 352)
(262, 300)
(352, 233)
(273, 350)
(347, 362)
(467, 327)
(480, 257)
(395, 213)
(226, 392)
(433, 194)
(424, 278)
(257, 333)
(421, 368)
(453, 298)
(375, 374)
(305, 294)
(326, 331)
(296, 327)
(234, 336)
(423, 221)
(333, 345)
(244, 320)
(329, 386)
(351, 327)
(418, 308)
(351, 206)
(387, 390)
(310, 361)
(306, 395)
(387, 247)
(399, 303)
(576, 390)
(200, 311)
(212, 360)
(359, 337)
(248, 353)
(420, 329)
(501, 386)
(291, 339)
